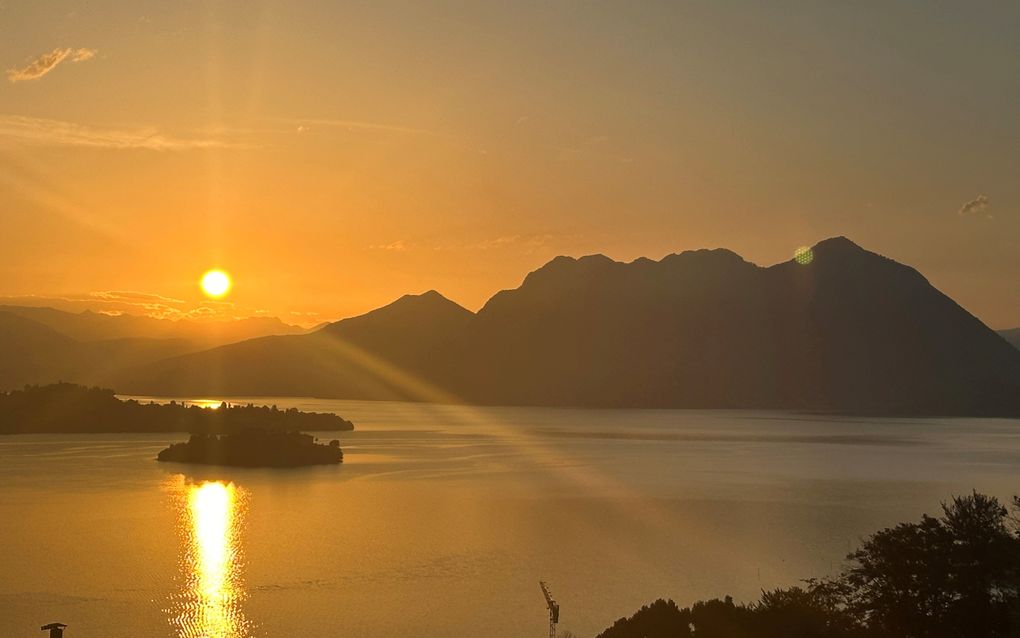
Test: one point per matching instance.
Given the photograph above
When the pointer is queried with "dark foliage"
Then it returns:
(661, 619)
(254, 448)
(955, 576)
(70, 408)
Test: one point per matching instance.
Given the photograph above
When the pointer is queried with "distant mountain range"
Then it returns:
(41, 345)
(850, 332)
(94, 326)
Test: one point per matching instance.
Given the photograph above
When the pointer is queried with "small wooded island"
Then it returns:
(67, 408)
(254, 448)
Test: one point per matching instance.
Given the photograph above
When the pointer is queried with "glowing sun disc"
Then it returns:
(216, 283)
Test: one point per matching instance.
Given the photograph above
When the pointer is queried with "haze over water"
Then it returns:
(442, 519)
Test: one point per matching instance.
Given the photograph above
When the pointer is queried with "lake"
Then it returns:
(443, 519)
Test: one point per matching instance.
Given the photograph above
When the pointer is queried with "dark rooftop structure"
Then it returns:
(56, 629)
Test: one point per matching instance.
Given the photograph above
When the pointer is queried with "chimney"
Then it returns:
(56, 629)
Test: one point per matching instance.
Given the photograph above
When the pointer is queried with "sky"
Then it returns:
(333, 156)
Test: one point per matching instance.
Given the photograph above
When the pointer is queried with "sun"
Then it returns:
(216, 283)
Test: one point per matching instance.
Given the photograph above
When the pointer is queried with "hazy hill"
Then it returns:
(378, 355)
(31, 352)
(851, 331)
(93, 326)
(41, 345)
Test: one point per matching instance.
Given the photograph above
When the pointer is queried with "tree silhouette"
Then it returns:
(954, 576)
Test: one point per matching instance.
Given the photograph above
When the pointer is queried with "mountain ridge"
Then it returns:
(842, 329)
(1012, 335)
(87, 325)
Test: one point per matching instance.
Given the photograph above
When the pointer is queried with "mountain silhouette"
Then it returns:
(378, 355)
(43, 345)
(849, 331)
(95, 326)
(32, 352)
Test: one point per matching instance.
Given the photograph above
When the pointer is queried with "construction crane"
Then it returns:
(554, 608)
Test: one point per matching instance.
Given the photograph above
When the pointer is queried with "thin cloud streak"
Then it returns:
(46, 132)
(977, 207)
(306, 125)
(398, 246)
(527, 244)
(138, 304)
(133, 296)
(46, 62)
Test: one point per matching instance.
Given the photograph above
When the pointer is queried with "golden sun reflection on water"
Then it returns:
(210, 605)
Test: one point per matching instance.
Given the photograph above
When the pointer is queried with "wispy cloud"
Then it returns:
(80, 55)
(139, 304)
(116, 302)
(58, 133)
(523, 243)
(498, 242)
(132, 296)
(529, 243)
(306, 125)
(977, 207)
(46, 62)
(398, 246)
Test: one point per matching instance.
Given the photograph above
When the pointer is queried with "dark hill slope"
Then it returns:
(400, 351)
(95, 326)
(597, 332)
(1012, 335)
(876, 336)
(32, 353)
(851, 331)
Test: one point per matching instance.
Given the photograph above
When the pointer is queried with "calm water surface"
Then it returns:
(443, 519)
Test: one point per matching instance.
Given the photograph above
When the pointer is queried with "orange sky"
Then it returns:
(335, 157)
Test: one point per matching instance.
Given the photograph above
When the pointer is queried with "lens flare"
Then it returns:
(216, 283)
(804, 255)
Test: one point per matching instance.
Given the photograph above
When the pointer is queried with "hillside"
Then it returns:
(31, 352)
(851, 331)
(94, 326)
(393, 352)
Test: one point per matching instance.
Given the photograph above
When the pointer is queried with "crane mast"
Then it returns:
(554, 608)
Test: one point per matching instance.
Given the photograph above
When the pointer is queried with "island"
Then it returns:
(67, 408)
(254, 448)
